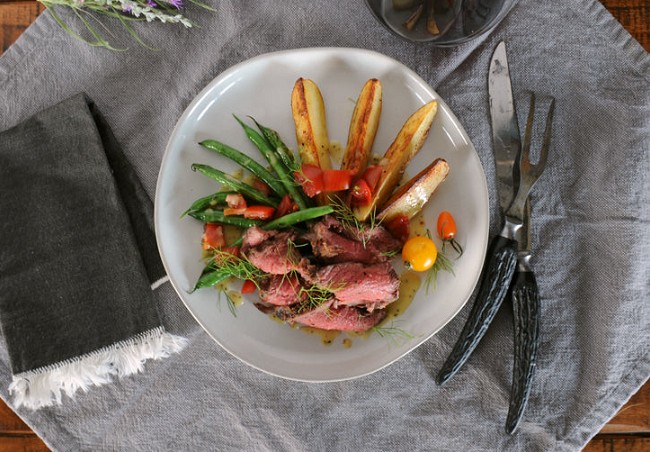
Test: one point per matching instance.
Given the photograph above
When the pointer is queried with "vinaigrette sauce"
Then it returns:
(326, 336)
(408, 287)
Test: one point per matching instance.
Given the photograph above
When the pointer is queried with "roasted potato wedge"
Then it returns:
(407, 144)
(308, 111)
(412, 196)
(363, 127)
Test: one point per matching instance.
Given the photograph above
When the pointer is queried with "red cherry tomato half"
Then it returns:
(261, 186)
(259, 212)
(360, 194)
(399, 227)
(372, 176)
(336, 180)
(248, 287)
(212, 236)
(310, 177)
(286, 206)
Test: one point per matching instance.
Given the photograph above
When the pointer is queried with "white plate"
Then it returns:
(261, 87)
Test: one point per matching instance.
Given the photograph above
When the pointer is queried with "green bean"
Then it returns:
(234, 184)
(283, 173)
(247, 163)
(298, 217)
(217, 216)
(213, 200)
(210, 277)
(281, 149)
(293, 219)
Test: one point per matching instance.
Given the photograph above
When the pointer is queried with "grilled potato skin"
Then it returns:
(363, 127)
(308, 111)
(412, 196)
(406, 145)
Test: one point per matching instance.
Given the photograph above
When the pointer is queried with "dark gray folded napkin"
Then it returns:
(78, 257)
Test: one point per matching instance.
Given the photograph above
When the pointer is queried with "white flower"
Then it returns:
(150, 14)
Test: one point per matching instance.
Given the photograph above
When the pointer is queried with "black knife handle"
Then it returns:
(495, 282)
(525, 308)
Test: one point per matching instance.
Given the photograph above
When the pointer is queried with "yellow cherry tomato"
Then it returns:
(419, 253)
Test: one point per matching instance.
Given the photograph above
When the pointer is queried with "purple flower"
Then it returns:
(127, 8)
(176, 3)
(151, 4)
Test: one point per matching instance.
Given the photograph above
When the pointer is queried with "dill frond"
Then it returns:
(394, 334)
(229, 302)
(346, 216)
(316, 296)
(442, 263)
(391, 253)
(293, 255)
(237, 267)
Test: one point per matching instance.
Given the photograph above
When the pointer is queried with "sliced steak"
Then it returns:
(328, 317)
(271, 252)
(332, 242)
(255, 236)
(330, 246)
(381, 240)
(354, 284)
(282, 290)
(342, 318)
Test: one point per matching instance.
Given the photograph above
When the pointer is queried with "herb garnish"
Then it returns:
(394, 334)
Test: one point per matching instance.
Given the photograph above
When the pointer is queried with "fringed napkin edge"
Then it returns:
(45, 386)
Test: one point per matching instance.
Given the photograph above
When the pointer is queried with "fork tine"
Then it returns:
(524, 157)
(547, 137)
(529, 173)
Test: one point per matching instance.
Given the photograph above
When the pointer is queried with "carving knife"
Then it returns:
(501, 259)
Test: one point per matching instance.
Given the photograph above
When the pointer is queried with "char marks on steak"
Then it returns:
(271, 252)
(333, 242)
(355, 284)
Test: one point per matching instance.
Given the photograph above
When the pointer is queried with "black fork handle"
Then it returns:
(525, 309)
(495, 282)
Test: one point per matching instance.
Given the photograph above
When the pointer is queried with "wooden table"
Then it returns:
(628, 431)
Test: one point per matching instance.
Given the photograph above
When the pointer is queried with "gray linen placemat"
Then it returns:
(590, 234)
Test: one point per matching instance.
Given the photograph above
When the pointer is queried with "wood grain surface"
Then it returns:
(628, 431)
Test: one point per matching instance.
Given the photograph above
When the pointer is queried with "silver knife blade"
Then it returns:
(506, 138)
